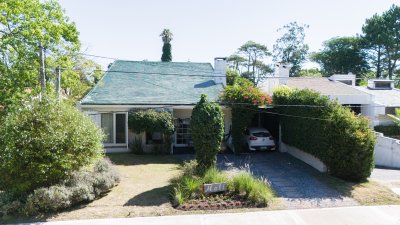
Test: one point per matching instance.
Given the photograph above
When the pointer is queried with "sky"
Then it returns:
(205, 29)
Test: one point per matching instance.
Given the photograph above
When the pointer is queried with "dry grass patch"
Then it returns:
(365, 193)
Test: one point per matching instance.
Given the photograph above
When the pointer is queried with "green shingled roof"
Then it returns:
(164, 83)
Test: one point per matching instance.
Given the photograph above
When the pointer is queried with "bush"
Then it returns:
(338, 137)
(137, 147)
(82, 186)
(44, 142)
(207, 127)
(389, 130)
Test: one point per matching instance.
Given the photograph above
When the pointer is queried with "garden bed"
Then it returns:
(217, 202)
(242, 190)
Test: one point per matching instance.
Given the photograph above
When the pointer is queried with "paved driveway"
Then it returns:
(292, 179)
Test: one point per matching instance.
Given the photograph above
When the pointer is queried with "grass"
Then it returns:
(365, 193)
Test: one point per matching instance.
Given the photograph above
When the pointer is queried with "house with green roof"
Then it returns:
(135, 85)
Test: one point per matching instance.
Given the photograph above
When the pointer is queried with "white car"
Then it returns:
(255, 139)
(258, 139)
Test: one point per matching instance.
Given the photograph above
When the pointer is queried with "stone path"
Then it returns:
(292, 179)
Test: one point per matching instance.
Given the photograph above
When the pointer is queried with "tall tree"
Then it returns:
(342, 55)
(373, 40)
(254, 53)
(166, 36)
(381, 36)
(24, 24)
(290, 48)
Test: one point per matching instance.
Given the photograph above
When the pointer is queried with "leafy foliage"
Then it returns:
(243, 98)
(24, 24)
(342, 140)
(342, 55)
(290, 48)
(207, 128)
(151, 121)
(231, 76)
(44, 142)
(312, 72)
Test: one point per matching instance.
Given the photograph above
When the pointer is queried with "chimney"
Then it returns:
(282, 71)
(220, 70)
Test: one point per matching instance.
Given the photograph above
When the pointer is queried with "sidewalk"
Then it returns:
(358, 215)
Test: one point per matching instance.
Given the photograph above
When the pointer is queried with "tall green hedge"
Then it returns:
(332, 133)
(207, 127)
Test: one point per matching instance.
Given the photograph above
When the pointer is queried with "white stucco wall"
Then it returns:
(304, 156)
(387, 151)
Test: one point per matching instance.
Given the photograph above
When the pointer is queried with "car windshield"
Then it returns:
(261, 134)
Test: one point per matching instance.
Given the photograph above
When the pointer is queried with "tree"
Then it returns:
(255, 69)
(236, 61)
(24, 25)
(166, 36)
(373, 40)
(342, 55)
(312, 72)
(290, 48)
(207, 127)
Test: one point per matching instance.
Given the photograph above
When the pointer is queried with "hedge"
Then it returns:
(330, 132)
(388, 130)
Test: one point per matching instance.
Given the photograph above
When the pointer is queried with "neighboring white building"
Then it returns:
(385, 99)
(338, 87)
(375, 101)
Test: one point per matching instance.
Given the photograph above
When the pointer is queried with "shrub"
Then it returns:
(82, 186)
(44, 142)
(243, 185)
(207, 127)
(137, 147)
(243, 98)
(338, 137)
(49, 199)
(389, 130)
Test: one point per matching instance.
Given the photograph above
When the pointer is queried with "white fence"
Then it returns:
(387, 151)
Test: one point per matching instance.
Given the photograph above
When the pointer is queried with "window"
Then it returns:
(183, 135)
(261, 134)
(120, 128)
(383, 85)
(108, 127)
(348, 82)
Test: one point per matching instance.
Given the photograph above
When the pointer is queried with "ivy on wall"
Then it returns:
(243, 98)
(151, 121)
(330, 132)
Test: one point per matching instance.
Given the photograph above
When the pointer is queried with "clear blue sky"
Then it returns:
(204, 29)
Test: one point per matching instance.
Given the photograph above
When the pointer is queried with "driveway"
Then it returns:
(293, 180)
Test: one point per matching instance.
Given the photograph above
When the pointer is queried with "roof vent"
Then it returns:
(376, 84)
